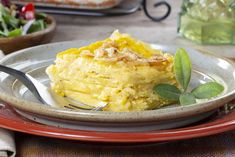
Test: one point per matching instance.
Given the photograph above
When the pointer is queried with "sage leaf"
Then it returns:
(187, 99)
(167, 91)
(208, 90)
(182, 68)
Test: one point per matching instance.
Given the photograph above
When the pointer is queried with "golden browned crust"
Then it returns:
(110, 53)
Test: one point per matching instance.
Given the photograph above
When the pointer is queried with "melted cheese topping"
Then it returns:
(119, 71)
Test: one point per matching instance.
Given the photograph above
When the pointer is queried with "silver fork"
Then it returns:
(44, 94)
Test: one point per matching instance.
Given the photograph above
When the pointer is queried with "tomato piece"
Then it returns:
(28, 11)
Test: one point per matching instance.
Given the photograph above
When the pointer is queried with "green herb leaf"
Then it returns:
(167, 91)
(187, 99)
(37, 26)
(3, 34)
(41, 16)
(182, 68)
(2, 9)
(11, 21)
(3, 24)
(208, 90)
(15, 33)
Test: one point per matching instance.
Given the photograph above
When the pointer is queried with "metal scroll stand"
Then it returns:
(156, 5)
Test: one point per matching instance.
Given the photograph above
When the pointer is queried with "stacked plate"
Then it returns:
(22, 112)
(114, 7)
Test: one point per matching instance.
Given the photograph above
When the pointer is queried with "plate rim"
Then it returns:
(101, 116)
(226, 123)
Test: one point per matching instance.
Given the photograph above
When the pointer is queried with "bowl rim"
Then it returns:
(52, 25)
(160, 115)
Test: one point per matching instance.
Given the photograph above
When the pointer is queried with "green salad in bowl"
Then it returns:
(17, 21)
(22, 27)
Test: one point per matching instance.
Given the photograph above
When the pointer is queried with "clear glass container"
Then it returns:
(208, 21)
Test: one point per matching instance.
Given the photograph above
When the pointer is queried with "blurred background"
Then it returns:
(207, 23)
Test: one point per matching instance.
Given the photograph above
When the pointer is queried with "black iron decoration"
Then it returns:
(157, 5)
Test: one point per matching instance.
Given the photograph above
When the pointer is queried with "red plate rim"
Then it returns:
(9, 119)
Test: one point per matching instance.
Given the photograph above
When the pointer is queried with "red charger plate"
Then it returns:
(9, 119)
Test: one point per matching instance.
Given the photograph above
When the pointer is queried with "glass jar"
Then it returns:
(208, 21)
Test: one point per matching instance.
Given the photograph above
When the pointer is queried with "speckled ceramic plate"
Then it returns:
(221, 121)
(35, 60)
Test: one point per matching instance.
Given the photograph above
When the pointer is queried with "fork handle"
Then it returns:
(22, 77)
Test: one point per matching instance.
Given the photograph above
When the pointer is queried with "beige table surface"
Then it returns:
(137, 24)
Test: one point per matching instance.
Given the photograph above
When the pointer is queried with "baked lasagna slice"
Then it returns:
(119, 71)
